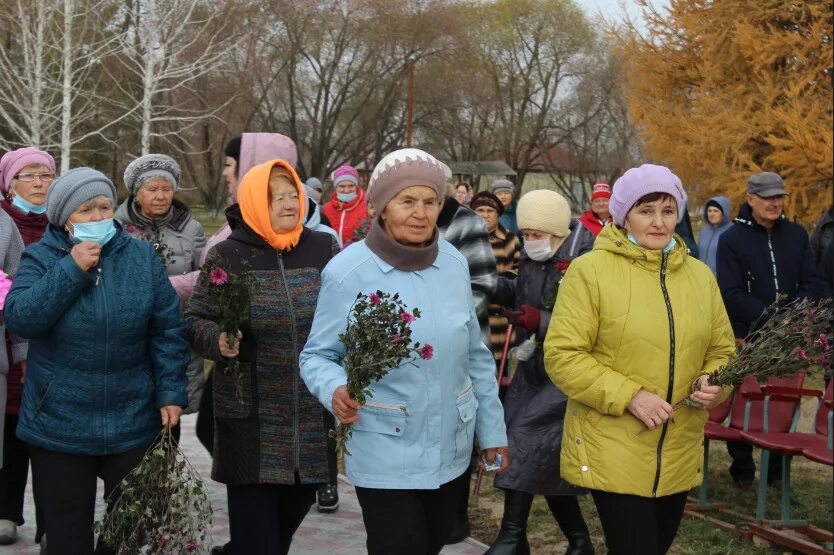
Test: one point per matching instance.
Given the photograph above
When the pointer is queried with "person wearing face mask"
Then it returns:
(25, 177)
(347, 206)
(534, 409)
(637, 327)
(106, 368)
(270, 447)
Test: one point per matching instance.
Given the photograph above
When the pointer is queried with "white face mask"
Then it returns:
(539, 250)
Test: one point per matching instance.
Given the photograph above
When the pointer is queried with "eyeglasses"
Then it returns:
(28, 177)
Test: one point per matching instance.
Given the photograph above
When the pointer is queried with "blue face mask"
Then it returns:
(26, 207)
(346, 197)
(666, 250)
(98, 232)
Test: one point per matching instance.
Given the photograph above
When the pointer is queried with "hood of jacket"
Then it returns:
(313, 214)
(726, 207)
(257, 148)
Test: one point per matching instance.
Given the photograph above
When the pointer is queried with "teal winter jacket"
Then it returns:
(108, 346)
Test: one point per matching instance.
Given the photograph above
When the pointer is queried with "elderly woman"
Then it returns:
(637, 327)
(463, 193)
(347, 206)
(107, 354)
(534, 407)
(413, 441)
(270, 436)
(25, 177)
(152, 213)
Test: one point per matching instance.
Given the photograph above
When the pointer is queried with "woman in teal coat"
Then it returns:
(107, 365)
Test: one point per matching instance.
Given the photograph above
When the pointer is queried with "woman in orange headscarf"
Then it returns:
(269, 446)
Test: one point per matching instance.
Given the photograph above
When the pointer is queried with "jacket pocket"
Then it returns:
(382, 418)
(467, 407)
(42, 394)
(233, 390)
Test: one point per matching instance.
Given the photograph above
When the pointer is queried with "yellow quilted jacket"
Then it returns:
(626, 320)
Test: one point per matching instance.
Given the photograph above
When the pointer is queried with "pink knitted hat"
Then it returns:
(15, 160)
(639, 182)
(345, 173)
(402, 169)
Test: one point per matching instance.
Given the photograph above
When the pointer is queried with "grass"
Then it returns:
(812, 499)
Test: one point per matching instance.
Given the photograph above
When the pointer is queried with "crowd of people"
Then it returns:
(602, 321)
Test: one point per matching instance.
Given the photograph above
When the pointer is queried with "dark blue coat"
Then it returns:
(107, 346)
(752, 261)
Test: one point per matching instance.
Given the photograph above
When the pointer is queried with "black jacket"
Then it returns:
(756, 267)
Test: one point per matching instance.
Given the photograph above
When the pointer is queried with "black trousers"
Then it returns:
(634, 524)
(13, 478)
(332, 458)
(409, 521)
(205, 415)
(264, 517)
(743, 467)
(66, 486)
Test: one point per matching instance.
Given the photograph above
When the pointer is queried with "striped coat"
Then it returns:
(507, 250)
(279, 428)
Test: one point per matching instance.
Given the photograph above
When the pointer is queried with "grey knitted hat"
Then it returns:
(402, 169)
(73, 189)
(503, 185)
(149, 166)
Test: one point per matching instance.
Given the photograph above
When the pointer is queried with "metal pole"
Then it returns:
(409, 123)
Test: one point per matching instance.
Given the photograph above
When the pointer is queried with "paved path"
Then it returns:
(339, 533)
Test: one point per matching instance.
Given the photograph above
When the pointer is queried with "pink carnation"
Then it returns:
(406, 317)
(427, 352)
(375, 299)
(396, 338)
(801, 353)
(192, 546)
(132, 229)
(219, 276)
(823, 341)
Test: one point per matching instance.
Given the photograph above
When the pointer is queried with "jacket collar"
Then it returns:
(745, 218)
(176, 218)
(612, 238)
(348, 206)
(391, 254)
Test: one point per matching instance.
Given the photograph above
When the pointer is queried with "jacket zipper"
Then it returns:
(387, 406)
(295, 438)
(773, 263)
(342, 223)
(106, 349)
(671, 367)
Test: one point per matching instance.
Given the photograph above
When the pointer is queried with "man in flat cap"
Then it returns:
(763, 257)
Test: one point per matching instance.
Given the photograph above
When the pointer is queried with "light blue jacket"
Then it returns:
(417, 430)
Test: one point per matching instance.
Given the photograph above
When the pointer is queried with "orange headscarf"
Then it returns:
(253, 197)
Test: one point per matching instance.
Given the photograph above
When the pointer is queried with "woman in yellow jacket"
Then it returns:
(637, 324)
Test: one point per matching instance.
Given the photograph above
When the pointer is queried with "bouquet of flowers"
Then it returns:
(794, 337)
(230, 296)
(5, 287)
(153, 235)
(162, 505)
(377, 339)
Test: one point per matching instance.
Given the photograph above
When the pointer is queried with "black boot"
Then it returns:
(568, 515)
(512, 538)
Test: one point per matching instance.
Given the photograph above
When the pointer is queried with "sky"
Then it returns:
(613, 9)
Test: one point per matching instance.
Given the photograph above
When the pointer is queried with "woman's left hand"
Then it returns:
(170, 415)
(706, 395)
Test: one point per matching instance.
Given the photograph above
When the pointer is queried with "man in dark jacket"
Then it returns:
(762, 258)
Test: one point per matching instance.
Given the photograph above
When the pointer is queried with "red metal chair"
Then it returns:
(747, 413)
(789, 443)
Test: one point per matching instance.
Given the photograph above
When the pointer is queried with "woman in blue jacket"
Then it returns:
(716, 222)
(107, 365)
(413, 440)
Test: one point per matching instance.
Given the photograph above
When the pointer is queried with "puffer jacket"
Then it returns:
(179, 240)
(627, 319)
(345, 217)
(107, 346)
(708, 239)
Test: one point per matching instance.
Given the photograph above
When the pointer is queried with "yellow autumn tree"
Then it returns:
(720, 89)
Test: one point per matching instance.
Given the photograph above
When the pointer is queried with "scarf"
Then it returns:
(253, 197)
(31, 226)
(401, 257)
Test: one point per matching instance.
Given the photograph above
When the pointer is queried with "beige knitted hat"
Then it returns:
(402, 169)
(544, 210)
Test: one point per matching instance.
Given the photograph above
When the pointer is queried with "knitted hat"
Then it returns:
(485, 198)
(345, 173)
(503, 185)
(313, 183)
(544, 210)
(312, 192)
(148, 167)
(601, 190)
(639, 182)
(232, 149)
(401, 169)
(15, 160)
(73, 189)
